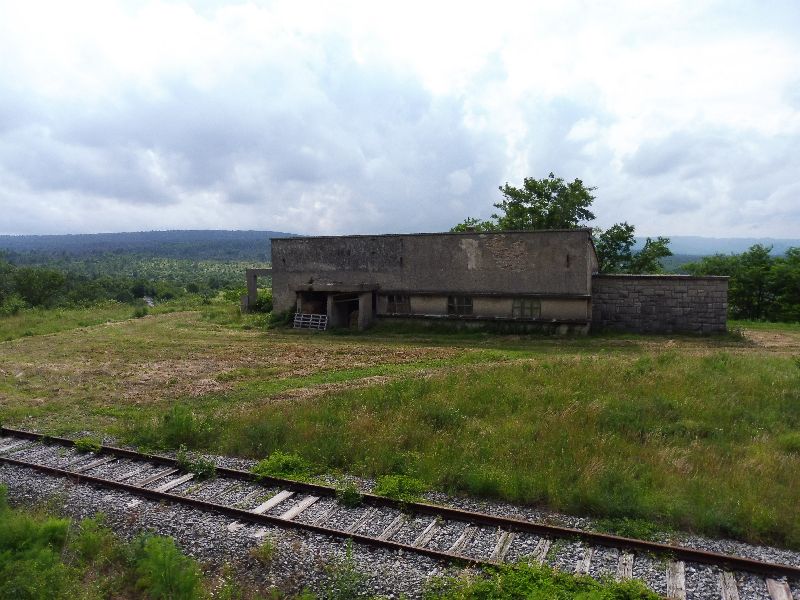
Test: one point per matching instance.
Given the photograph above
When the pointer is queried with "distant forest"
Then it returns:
(80, 270)
(191, 245)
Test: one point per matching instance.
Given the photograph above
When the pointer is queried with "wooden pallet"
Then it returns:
(310, 321)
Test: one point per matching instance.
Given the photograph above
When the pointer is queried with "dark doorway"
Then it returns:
(313, 303)
(345, 311)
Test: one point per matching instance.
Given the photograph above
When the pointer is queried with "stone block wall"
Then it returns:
(660, 303)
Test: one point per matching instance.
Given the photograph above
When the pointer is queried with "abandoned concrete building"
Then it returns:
(524, 280)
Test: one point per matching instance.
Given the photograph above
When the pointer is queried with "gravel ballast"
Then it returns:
(301, 557)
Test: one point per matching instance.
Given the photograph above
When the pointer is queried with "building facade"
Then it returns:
(521, 280)
(530, 278)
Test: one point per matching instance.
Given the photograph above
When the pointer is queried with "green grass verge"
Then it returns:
(43, 556)
(534, 582)
(706, 443)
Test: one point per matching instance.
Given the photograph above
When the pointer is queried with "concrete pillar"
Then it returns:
(364, 310)
(330, 310)
(252, 286)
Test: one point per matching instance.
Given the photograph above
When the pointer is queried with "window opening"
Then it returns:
(459, 305)
(398, 304)
(526, 308)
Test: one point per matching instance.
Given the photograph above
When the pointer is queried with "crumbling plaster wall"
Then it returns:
(546, 262)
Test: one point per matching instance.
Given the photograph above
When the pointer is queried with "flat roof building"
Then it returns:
(530, 278)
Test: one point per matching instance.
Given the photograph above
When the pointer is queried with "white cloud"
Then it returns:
(375, 117)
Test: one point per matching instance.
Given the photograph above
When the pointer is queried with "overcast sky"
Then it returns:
(406, 116)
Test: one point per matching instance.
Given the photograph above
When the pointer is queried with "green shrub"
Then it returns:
(87, 444)
(164, 572)
(264, 302)
(140, 311)
(639, 529)
(284, 464)
(400, 487)
(93, 541)
(178, 426)
(264, 552)
(349, 495)
(280, 319)
(534, 582)
(30, 556)
(790, 442)
(202, 468)
(11, 305)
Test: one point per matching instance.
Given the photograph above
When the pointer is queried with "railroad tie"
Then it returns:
(274, 501)
(625, 566)
(175, 482)
(542, 548)
(10, 447)
(157, 476)
(727, 586)
(247, 500)
(129, 474)
(392, 527)
(368, 514)
(424, 538)
(326, 514)
(95, 463)
(778, 590)
(503, 544)
(464, 540)
(582, 567)
(676, 580)
(299, 507)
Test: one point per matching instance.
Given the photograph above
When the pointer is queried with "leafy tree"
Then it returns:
(6, 279)
(751, 290)
(785, 281)
(473, 224)
(544, 204)
(614, 247)
(551, 203)
(761, 286)
(648, 259)
(38, 286)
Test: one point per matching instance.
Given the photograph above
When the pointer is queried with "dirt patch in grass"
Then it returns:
(189, 377)
(322, 389)
(774, 340)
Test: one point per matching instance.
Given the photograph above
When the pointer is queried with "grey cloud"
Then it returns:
(332, 126)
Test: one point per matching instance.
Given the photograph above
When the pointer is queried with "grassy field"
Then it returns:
(694, 433)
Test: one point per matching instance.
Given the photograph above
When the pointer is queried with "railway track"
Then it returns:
(442, 533)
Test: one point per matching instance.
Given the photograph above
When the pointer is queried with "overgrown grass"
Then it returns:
(682, 432)
(47, 557)
(535, 582)
(764, 325)
(42, 321)
(706, 442)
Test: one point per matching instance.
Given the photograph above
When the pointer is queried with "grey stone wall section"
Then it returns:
(660, 303)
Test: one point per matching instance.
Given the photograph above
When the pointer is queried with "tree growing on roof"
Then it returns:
(552, 203)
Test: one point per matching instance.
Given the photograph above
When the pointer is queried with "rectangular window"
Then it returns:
(459, 305)
(397, 304)
(526, 308)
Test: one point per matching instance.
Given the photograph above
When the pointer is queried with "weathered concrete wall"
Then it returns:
(660, 303)
(530, 262)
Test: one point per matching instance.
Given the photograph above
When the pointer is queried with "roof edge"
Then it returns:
(587, 230)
